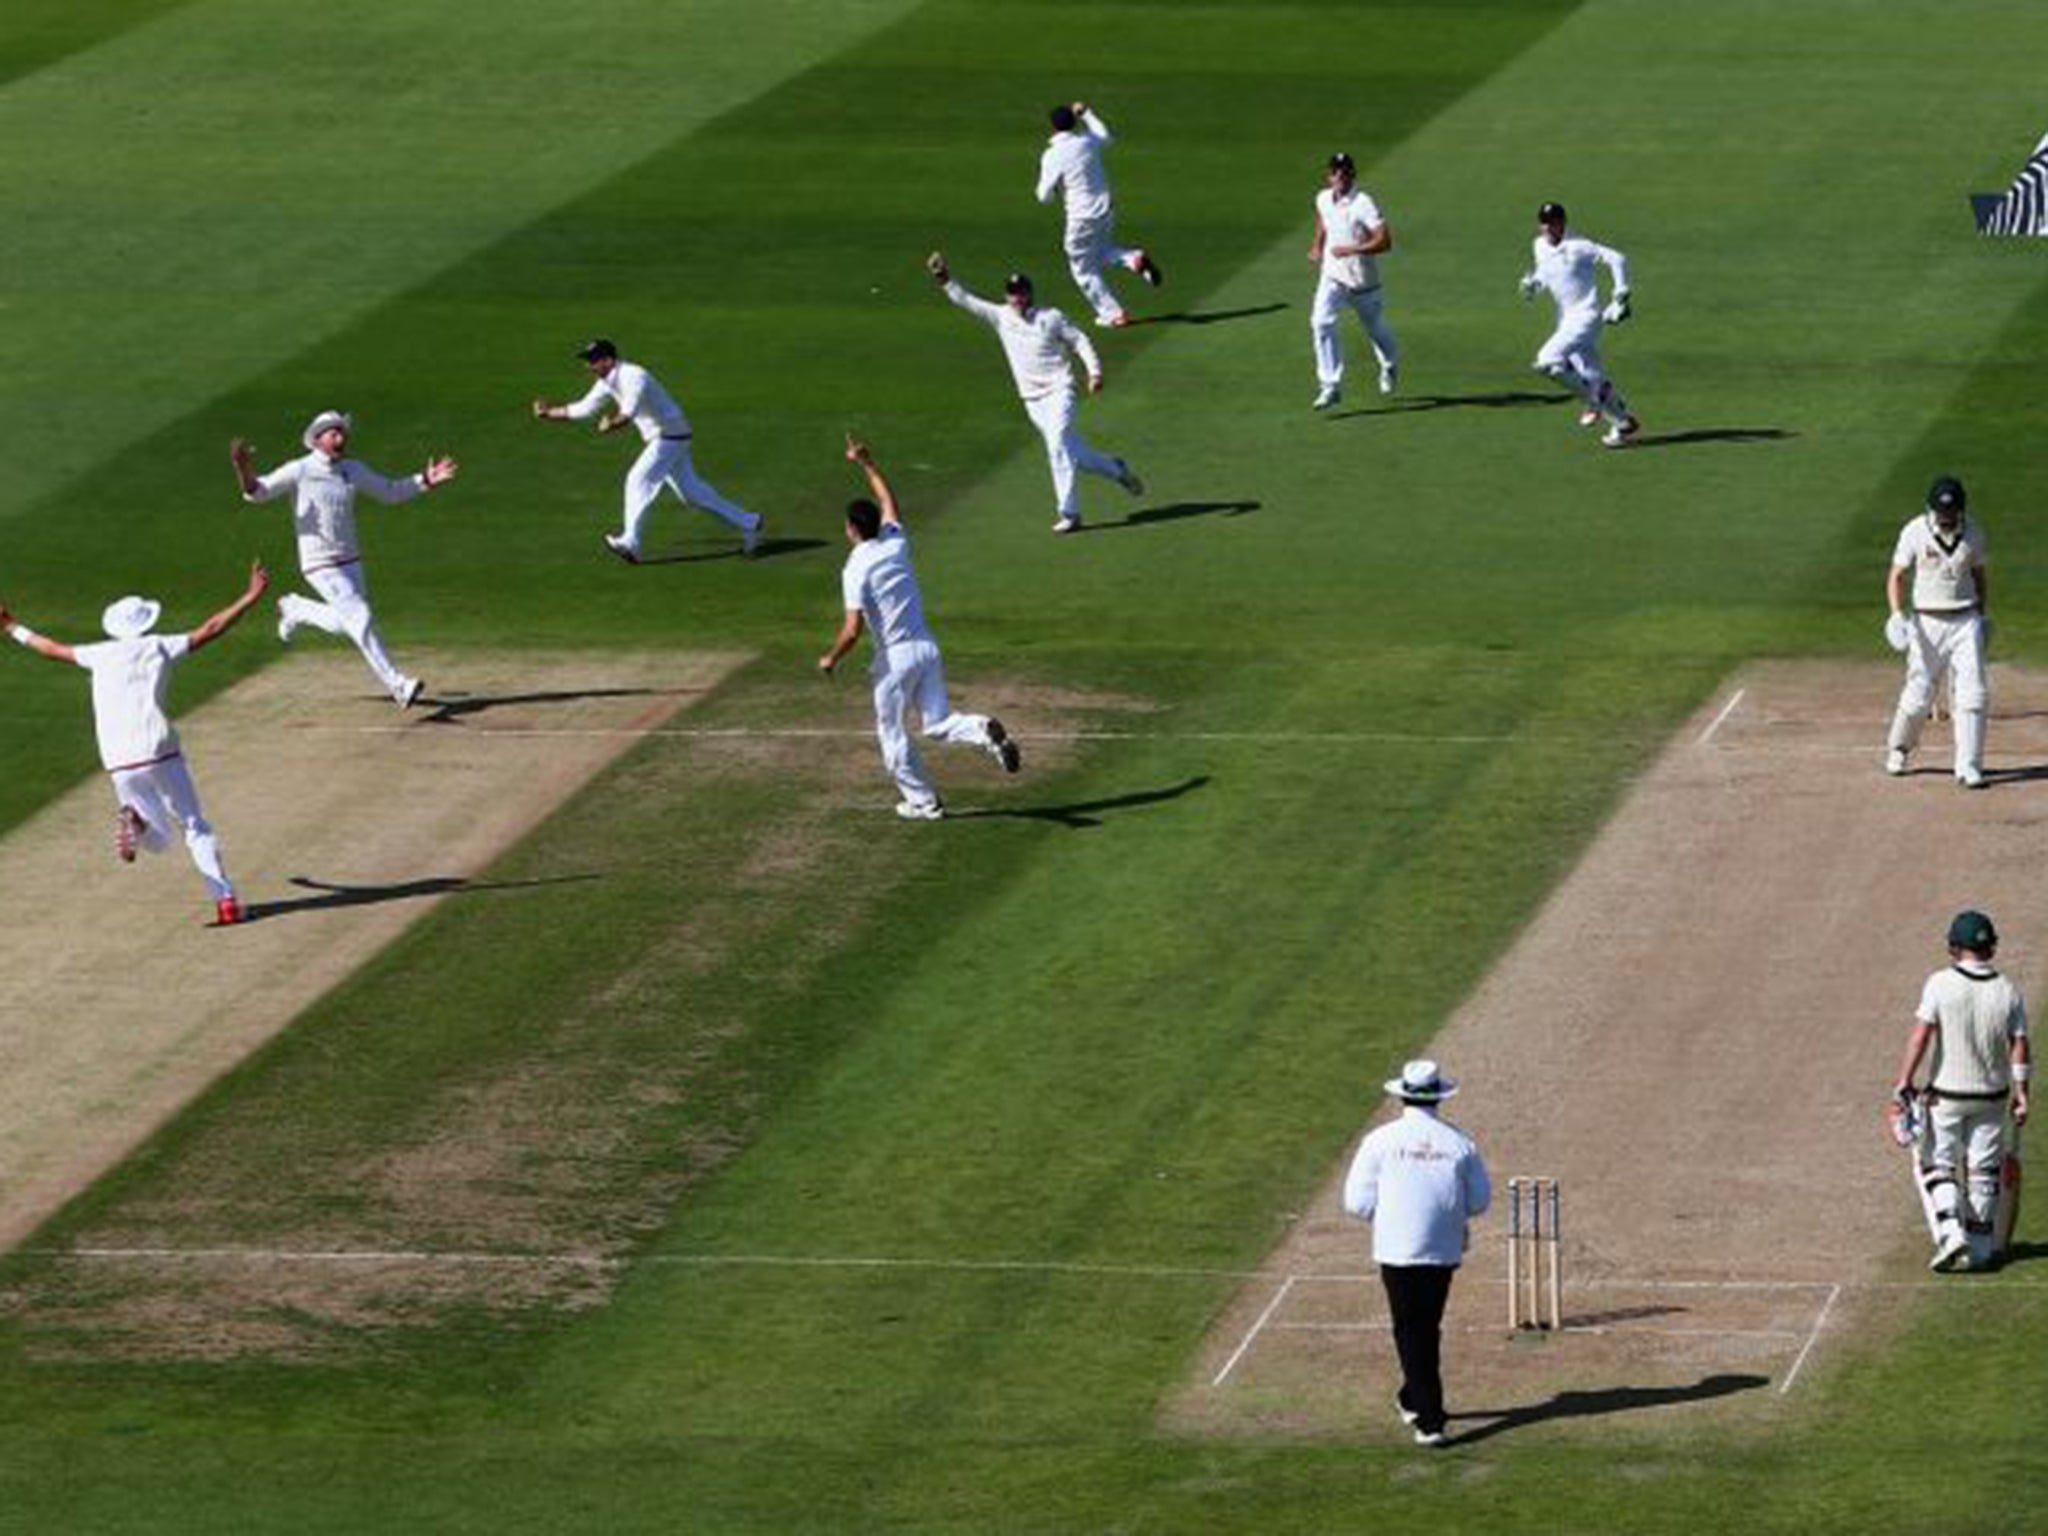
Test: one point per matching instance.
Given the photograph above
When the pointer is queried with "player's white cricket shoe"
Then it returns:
(1895, 762)
(1618, 435)
(1148, 269)
(1127, 477)
(1952, 1255)
(1326, 397)
(750, 541)
(1436, 1439)
(921, 810)
(286, 624)
(1390, 377)
(1589, 417)
(1970, 777)
(1067, 522)
(1002, 748)
(622, 549)
(1408, 1415)
(409, 692)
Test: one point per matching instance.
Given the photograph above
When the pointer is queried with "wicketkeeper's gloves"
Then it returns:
(1617, 311)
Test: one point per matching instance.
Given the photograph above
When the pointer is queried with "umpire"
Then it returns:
(1418, 1180)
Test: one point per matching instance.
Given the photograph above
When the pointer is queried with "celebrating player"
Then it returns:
(1073, 161)
(1563, 267)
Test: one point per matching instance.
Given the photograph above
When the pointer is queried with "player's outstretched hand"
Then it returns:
(936, 265)
(1530, 287)
(541, 410)
(241, 454)
(440, 471)
(1094, 383)
(827, 662)
(259, 578)
(858, 452)
(1617, 311)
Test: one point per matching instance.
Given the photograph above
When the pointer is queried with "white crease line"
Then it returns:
(1812, 1339)
(1726, 710)
(1245, 1344)
(822, 733)
(1381, 1325)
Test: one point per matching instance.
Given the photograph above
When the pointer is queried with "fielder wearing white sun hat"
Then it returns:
(1421, 1082)
(130, 617)
(326, 421)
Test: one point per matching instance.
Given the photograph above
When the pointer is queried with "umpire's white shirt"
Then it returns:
(1566, 271)
(1348, 221)
(1418, 1180)
(638, 394)
(1944, 572)
(324, 508)
(879, 582)
(1036, 346)
(130, 681)
(1074, 161)
(1977, 1014)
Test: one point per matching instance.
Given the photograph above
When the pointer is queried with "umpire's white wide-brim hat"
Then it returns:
(322, 422)
(130, 616)
(1421, 1083)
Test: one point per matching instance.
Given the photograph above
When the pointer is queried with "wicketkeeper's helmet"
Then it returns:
(1972, 931)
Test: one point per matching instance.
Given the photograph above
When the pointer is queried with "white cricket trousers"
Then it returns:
(1066, 451)
(665, 462)
(1969, 1143)
(909, 675)
(161, 793)
(344, 610)
(1332, 299)
(1572, 357)
(1940, 642)
(1092, 249)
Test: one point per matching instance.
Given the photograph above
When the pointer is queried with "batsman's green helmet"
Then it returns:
(1972, 930)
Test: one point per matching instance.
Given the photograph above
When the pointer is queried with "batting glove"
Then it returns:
(1617, 311)
(1898, 632)
(1530, 286)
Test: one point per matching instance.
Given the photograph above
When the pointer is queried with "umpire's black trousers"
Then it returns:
(1416, 1294)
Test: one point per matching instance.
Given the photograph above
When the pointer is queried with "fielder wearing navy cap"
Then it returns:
(1550, 213)
(1946, 497)
(1017, 282)
(1342, 162)
(595, 348)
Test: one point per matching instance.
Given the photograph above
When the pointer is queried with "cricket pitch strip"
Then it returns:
(1695, 1035)
(342, 821)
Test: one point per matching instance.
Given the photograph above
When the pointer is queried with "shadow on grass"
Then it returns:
(1086, 813)
(1503, 399)
(451, 711)
(331, 896)
(1598, 1404)
(1174, 513)
(1211, 316)
(767, 549)
(1711, 435)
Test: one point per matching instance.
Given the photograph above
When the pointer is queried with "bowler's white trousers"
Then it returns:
(1332, 299)
(1572, 357)
(665, 462)
(161, 793)
(1941, 642)
(1092, 248)
(345, 611)
(1066, 451)
(909, 675)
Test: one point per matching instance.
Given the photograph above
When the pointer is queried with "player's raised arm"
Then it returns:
(22, 635)
(859, 454)
(222, 622)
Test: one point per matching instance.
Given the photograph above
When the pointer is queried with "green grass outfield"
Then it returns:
(1136, 1024)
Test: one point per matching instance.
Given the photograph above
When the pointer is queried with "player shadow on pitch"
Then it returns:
(767, 549)
(450, 711)
(1501, 399)
(1710, 435)
(1211, 316)
(1174, 513)
(1597, 1403)
(1083, 814)
(332, 896)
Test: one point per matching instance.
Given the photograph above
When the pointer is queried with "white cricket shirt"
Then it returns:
(1418, 1180)
(324, 509)
(1566, 271)
(1977, 1014)
(1944, 571)
(879, 582)
(1074, 161)
(638, 394)
(130, 684)
(1036, 346)
(1349, 220)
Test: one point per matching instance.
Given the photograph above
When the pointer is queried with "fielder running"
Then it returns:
(880, 592)
(1036, 342)
(131, 675)
(636, 397)
(1943, 548)
(324, 486)
(1563, 267)
(1975, 1021)
(1073, 161)
(1351, 233)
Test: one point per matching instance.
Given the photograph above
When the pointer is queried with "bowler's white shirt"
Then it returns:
(1348, 220)
(1036, 347)
(1978, 1014)
(324, 510)
(638, 394)
(879, 582)
(130, 683)
(1566, 270)
(1418, 1180)
(1944, 578)
(1073, 160)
